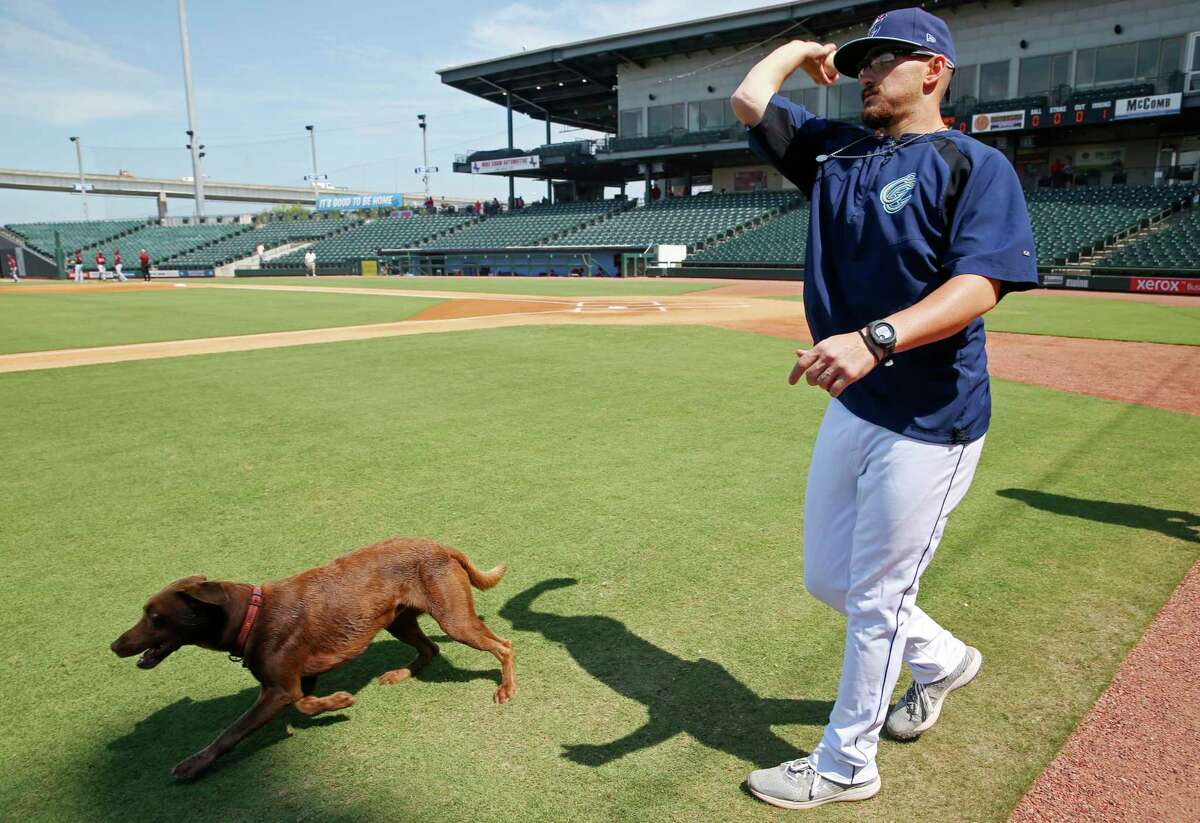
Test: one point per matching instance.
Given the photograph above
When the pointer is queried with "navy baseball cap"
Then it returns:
(906, 28)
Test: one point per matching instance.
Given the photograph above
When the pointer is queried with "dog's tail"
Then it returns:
(479, 579)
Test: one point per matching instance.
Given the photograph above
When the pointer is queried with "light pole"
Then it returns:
(312, 137)
(81, 186)
(424, 153)
(193, 145)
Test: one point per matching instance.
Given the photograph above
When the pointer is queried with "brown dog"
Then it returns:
(289, 631)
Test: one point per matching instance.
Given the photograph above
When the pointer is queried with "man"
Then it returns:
(310, 263)
(913, 235)
(144, 264)
(78, 265)
(117, 265)
(100, 261)
(11, 263)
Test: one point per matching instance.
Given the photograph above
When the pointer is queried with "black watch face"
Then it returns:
(883, 333)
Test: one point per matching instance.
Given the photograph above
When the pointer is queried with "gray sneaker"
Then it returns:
(796, 785)
(918, 710)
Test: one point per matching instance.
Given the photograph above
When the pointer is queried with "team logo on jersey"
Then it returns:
(896, 194)
(874, 30)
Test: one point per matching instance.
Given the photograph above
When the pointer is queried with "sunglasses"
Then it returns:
(883, 61)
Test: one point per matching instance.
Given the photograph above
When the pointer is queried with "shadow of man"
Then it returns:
(696, 697)
(1179, 524)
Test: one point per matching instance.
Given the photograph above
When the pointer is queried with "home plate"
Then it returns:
(618, 308)
(180, 285)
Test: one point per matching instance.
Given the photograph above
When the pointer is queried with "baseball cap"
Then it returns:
(909, 28)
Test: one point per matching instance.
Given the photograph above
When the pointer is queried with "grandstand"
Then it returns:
(364, 241)
(74, 234)
(779, 242)
(271, 235)
(690, 221)
(1068, 223)
(530, 226)
(1175, 246)
(163, 242)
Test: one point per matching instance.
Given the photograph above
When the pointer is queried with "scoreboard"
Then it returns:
(1077, 114)
(1089, 113)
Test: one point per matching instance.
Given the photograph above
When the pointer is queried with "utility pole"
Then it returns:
(193, 144)
(81, 186)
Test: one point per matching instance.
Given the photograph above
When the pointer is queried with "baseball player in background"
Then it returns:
(915, 232)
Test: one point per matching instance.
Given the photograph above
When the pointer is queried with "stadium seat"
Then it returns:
(362, 241)
(270, 235)
(1177, 246)
(1071, 222)
(777, 242)
(163, 242)
(689, 221)
(530, 226)
(74, 235)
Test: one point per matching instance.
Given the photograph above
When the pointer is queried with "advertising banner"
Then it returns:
(506, 164)
(998, 121)
(1165, 285)
(1155, 104)
(347, 202)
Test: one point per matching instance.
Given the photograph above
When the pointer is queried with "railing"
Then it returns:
(1036, 174)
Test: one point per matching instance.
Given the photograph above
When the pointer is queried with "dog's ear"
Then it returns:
(205, 591)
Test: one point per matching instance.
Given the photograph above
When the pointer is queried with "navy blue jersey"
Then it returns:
(887, 230)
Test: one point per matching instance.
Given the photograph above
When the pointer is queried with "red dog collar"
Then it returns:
(256, 599)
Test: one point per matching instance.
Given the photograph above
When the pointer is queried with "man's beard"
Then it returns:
(877, 116)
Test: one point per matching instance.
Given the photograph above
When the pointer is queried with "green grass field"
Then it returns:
(658, 469)
(38, 321)
(549, 286)
(1099, 319)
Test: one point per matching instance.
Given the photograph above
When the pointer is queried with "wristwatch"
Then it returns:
(883, 336)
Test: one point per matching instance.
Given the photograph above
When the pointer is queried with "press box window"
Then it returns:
(662, 119)
(631, 123)
(993, 81)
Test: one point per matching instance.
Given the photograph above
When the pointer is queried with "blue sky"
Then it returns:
(111, 73)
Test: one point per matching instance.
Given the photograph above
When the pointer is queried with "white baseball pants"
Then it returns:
(874, 511)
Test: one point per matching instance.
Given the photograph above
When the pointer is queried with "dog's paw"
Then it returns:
(192, 768)
(339, 700)
(504, 693)
(394, 676)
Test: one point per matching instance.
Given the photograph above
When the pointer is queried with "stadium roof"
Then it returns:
(575, 83)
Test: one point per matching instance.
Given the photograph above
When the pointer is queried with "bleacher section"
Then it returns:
(161, 242)
(781, 241)
(1175, 247)
(687, 221)
(74, 234)
(1069, 222)
(271, 235)
(1066, 223)
(529, 226)
(385, 233)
